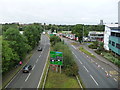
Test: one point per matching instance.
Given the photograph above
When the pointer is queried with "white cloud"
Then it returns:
(59, 11)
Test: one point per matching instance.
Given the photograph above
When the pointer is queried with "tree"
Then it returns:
(78, 30)
(32, 33)
(17, 42)
(9, 57)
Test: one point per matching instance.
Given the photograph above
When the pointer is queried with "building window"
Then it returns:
(109, 41)
(117, 45)
(113, 43)
(112, 33)
(117, 34)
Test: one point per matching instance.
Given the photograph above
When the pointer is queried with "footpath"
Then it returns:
(99, 57)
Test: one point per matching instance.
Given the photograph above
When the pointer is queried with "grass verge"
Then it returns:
(57, 80)
(73, 43)
(86, 52)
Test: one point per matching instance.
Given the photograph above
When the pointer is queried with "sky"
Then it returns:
(59, 11)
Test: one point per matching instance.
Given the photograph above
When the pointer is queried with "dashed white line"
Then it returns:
(74, 47)
(115, 79)
(102, 68)
(36, 60)
(106, 71)
(94, 80)
(80, 62)
(33, 67)
(110, 75)
(27, 77)
(40, 56)
(87, 56)
(78, 58)
(86, 69)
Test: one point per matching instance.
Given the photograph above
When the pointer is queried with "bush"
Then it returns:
(94, 45)
(54, 40)
(69, 65)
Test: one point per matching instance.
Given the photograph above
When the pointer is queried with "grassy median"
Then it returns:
(57, 80)
(86, 52)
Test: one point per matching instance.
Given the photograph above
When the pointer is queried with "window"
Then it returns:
(117, 34)
(117, 45)
(112, 33)
(109, 41)
(113, 43)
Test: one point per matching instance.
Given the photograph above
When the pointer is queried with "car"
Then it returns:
(27, 68)
(39, 49)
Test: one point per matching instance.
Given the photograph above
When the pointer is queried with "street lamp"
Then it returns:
(83, 33)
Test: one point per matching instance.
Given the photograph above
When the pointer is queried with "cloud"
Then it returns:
(58, 11)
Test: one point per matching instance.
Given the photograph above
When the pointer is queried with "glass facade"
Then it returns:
(114, 42)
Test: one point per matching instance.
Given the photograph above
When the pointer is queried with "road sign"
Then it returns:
(56, 58)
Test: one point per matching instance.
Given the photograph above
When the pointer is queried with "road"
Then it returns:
(92, 73)
(38, 60)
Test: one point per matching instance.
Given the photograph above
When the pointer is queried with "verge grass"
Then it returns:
(86, 52)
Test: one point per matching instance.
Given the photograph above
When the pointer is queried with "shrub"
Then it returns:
(69, 65)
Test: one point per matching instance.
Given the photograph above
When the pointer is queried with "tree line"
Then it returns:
(76, 29)
(15, 45)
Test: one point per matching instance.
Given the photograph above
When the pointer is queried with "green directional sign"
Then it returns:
(56, 58)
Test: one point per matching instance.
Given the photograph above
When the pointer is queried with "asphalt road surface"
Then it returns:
(38, 60)
(93, 74)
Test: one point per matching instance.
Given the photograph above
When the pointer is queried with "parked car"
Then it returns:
(39, 49)
(27, 68)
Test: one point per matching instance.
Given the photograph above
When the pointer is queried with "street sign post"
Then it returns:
(56, 58)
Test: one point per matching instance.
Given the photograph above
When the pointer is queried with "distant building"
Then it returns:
(101, 22)
(96, 36)
(112, 38)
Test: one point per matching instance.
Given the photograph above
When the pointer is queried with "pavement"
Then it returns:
(38, 60)
(93, 72)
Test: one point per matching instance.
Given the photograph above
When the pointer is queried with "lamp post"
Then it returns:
(83, 34)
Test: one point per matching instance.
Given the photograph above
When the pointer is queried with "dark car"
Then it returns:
(39, 49)
(27, 68)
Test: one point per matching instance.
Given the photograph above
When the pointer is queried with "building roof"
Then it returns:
(111, 25)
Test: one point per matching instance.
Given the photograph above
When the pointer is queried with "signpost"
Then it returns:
(56, 59)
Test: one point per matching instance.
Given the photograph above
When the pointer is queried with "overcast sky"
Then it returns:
(59, 11)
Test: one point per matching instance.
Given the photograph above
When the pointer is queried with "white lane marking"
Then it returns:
(96, 63)
(36, 60)
(27, 77)
(33, 67)
(43, 70)
(115, 79)
(94, 80)
(40, 56)
(87, 56)
(106, 71)
(102, 68)
(110, 75)
(80, 62)
(86, 69)
(74, 47)
(78, 58)
(79, 82)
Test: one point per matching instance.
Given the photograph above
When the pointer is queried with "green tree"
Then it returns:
(32, 33)
(78, 30)
(9, 57)
(17, 42)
